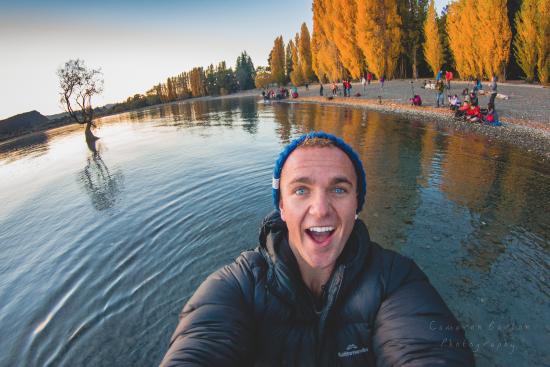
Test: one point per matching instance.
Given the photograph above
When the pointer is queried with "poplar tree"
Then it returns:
(543, 40)
(296, 76)
(494, 36)
(304, 51)
(379, 35)
(343, 13)
(288, 60)
(197, 82)
(526, 38)
(277, 61)
(463, 32)
(479, 37)
(170, 89)
(433, 51)
(325, 57)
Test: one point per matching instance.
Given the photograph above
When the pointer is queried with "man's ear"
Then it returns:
(281, 210)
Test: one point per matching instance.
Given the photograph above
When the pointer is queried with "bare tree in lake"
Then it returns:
(78, 85)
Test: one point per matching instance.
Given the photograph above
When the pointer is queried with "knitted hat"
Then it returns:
(357, 164)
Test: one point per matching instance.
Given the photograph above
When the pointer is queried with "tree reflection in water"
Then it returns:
(102, 185)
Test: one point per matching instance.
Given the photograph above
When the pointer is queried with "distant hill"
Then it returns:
(22, 123)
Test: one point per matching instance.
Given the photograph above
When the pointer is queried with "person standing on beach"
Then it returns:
(317, 291)
(321, 89)
(448, 78)
(493, 87)
(440, 88)
(364, 82)
(369, 77)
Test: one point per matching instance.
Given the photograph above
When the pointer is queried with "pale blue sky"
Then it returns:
(136, 43)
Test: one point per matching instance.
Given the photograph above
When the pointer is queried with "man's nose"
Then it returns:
(320, 205)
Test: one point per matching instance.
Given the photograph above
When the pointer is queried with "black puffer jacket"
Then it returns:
(379, 309)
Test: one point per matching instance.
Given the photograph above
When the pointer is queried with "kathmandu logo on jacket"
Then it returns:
(352, 350)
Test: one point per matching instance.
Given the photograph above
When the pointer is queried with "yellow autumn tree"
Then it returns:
(526, 37)
(378, 34)
(277, 61)
(463, 31)
(296, 76)
(343, 14)
(304, 51)
(493, 36)
(543, 40)
(433, 50)
(325, 57)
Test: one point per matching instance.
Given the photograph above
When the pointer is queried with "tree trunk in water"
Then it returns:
(90, 137)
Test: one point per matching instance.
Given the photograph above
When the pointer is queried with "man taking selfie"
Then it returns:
(317, 291)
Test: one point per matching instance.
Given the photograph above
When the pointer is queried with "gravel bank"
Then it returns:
(525, 115)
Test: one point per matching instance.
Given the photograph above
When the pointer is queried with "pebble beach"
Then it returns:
(525, 115)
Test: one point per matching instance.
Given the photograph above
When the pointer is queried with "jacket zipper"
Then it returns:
(333, 291)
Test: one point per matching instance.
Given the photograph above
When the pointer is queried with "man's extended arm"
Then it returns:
(216, 325)
(414, 327)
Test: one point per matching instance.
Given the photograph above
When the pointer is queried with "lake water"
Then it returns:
(99, 252)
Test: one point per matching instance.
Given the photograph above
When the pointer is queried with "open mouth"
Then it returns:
(320, 234)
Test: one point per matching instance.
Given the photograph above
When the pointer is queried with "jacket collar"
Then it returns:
(283, 274)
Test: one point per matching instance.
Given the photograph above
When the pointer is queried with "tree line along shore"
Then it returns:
(387, 38)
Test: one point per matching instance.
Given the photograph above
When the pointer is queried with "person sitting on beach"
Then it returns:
(474, 113)
(317, 291)
(473, 99)
(430, 85)
(416, 100)
(491, 117)
(462, 110)
(454, 102)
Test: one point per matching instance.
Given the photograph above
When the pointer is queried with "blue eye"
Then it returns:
(300, 191)
(339, 190)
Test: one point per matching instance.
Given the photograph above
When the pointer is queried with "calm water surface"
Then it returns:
(99, 252)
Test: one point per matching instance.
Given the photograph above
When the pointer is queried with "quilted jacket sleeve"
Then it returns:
(216, 324)
(414, 327)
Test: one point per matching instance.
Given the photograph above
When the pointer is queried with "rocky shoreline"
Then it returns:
(533, 136)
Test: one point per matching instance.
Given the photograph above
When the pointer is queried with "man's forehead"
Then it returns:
(330, 159)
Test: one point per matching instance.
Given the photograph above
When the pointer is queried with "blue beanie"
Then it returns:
(357, 164)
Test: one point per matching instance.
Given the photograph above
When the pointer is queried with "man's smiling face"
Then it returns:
(318, 203)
